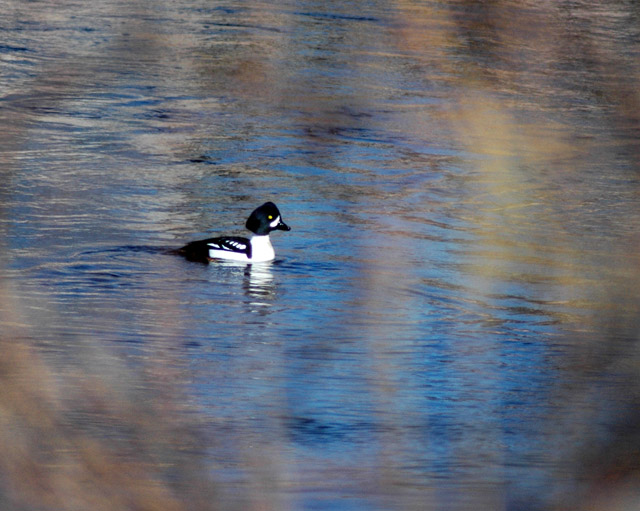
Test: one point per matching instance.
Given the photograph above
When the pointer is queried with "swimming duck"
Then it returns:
(257, 249)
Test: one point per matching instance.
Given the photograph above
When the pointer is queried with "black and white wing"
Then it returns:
(234, 244)
(199, 251)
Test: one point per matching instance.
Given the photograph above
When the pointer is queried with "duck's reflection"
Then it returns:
(258, 282)
(259, 286)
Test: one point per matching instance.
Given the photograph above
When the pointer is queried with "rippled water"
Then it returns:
(464, 229)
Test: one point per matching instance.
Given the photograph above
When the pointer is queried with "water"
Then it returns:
(450, 311)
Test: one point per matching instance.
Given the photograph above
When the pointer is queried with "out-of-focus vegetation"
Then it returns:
(75, 434)
(535, 82)
(77, 437)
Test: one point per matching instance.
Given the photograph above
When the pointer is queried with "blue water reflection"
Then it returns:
(414, 341)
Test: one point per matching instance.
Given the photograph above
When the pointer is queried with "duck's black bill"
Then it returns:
(283, 227)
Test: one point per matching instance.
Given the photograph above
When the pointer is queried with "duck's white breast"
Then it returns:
(261, 249)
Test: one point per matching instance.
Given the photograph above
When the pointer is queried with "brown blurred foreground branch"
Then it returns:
(94, 450)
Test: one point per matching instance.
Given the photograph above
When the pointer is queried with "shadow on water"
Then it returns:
(452, 324)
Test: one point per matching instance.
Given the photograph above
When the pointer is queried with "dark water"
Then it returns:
(442, 327)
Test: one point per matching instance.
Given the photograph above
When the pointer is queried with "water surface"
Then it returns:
(449, 312)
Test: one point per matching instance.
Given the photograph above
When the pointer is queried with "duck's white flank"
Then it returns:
(261, 251)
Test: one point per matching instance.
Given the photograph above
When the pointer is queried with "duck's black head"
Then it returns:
(265, 219)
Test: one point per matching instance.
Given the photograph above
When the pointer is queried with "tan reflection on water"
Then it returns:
(537, 131)
(529, 179)
(531, 174)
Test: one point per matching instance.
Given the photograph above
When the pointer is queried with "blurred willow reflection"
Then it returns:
(540, 96)
(75, 438)
(546, 95)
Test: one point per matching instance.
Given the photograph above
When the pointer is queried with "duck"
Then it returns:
(257, 249)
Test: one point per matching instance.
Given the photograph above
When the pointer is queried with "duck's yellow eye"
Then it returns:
(270, 217)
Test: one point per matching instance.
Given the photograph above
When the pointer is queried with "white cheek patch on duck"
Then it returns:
(275, 222)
